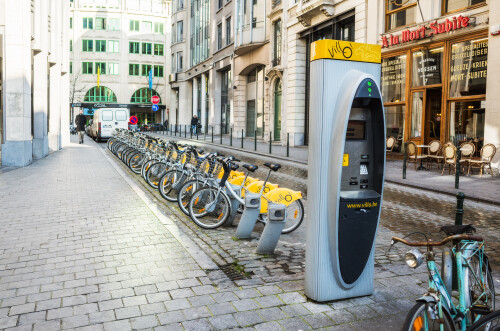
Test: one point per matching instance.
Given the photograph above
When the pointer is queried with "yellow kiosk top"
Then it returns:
(345, 50)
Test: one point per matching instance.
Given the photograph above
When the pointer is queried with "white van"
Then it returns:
(106, 120)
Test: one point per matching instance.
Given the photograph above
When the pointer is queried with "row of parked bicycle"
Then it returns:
(207, 186)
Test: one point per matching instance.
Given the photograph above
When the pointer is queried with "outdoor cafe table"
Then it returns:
(421, 153)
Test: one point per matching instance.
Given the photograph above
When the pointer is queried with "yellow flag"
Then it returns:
(98, 75)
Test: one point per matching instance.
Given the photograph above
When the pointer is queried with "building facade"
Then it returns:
(123, 44)
(436, 81)
(34, 79)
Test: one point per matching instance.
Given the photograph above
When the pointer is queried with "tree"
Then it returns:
(75, 91)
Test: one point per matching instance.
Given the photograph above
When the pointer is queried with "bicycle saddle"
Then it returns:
(451, 230)
(234, 167)
(273, 166)
(250, 167)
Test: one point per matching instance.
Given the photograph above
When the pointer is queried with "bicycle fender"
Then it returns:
(283, 196)
(427, 299)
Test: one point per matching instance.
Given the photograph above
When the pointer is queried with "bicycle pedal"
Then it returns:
(480, 309)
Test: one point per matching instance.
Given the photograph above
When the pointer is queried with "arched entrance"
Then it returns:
(277, 110)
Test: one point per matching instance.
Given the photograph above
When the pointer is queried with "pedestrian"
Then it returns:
(194, 124)
(80, 125)
(165, 124)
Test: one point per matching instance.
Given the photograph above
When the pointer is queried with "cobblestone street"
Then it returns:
(85, 245)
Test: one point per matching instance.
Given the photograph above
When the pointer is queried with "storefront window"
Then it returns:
(400, 13)
(467, 121)
(394, 125)
(394, 78)
(454, 5)
(427, 67)
(468, 68)
(416, 114)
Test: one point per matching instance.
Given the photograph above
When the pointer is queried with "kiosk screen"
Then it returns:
(355, 130)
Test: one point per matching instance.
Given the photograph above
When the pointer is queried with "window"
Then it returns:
(102, 66)
(159, 28)
(107, 115)
(467, 121)
(133, 69)
(228, 31)
(180, 31)
(400, 13)
(393, 79)
(143, 95)
(101, 94)
(147, 48)
(456, 5)
(219, 4)
(133, 47)
(87, 68)
(159, 49)
(100, 45)
(113, 24)
(113, 68)
(158, 71)
(134, 25)
(71, 22)
(395, 125)
(427, 67)
(113, 46)
(146, 27)
(179, 61)
(87, 45)
(219, 36)
(468, 68)
(71, 67)
(100, 23)
(71, 45)
(146, 68)
(277, 43)
(88, 23)
(121, 115)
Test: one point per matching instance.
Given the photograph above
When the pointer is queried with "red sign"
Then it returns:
(426, 31)
(133, 120)
(155, 99)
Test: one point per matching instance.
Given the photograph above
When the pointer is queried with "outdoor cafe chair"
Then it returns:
(449, 157)
(413, 154)
(467, 149)
(487, 153)
(434, 153)
(389, 144)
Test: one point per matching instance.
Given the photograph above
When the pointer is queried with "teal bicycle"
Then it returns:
(438, 309)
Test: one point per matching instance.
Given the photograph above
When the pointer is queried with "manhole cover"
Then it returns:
(236, 272)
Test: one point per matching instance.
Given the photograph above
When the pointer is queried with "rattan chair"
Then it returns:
(434, 153)
(467, 149)
(389, 144)
(449, 157)
(413, 154)
(487, 153)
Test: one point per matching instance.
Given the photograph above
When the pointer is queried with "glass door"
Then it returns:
(433, 115)
(417, 110)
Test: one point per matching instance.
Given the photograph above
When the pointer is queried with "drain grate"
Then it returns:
(236, 272)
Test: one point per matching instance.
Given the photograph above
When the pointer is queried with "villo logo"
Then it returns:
(99, 105)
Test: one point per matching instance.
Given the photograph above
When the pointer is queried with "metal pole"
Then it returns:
(191, 132)
(231, 138)
(255, 140)
(459, 212)
(185, 131)
(287, 144)
(197, 133)
(457, 168)
(221, 135)
(212, 134)
(241, 138)
(270, 141)
(405, 157)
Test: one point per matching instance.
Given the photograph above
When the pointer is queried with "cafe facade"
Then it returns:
(435, 72)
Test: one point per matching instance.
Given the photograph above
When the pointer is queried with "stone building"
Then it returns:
(34, 79)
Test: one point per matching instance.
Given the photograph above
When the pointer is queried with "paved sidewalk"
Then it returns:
(83, 247)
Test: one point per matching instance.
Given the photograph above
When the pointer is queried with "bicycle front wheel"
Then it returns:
(490, 322)
(415, 320)
(154, 173)
(209, 208)
(186, 193)
(167, 184)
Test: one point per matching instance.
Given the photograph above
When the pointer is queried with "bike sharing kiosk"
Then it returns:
(346, 169)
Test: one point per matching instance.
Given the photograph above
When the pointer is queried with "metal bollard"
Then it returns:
(191, 133)
(457, 168)
(270, 142)
(231, 138)
(405, 157)
(288, 144)
(241, 138)
(185, 131)
(221, 135)
(234, 206)
(197, 133)
(249, 216)
(276, 216)
(255, 140)
(212, 134)
(459, 212)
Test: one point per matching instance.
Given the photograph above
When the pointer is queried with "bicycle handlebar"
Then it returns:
(437, 243)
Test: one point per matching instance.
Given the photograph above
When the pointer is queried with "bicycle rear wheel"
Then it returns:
(479, 281)
(167, 184)
(209, 208)
(154, 174)
(490, 322)
(185, 194)
(416, 316)
(294, 217)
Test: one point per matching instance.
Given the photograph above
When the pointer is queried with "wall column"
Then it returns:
(195, 97)
(203, 118)
(55, 109)
(40, 127)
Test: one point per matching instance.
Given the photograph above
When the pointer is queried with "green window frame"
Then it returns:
(113, 46)
(113, 68)
(158, 71)
(133, 69)
(100, 94)
(70, 67)
(71, 45)
(147, 48)
(71, 22)
(159, 49)
(100, 23)
(159, 28)
(100, 46)
(145, 68)
(133, 47)
(113, 24)
(102, 65)
(134, 25)
(143, 95)
(87, 45)
(147, 26)
(87, 68)
(88, 23)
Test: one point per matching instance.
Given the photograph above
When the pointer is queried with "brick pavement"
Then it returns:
(82, 248)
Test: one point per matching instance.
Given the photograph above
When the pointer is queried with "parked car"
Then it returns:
(106, 120)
